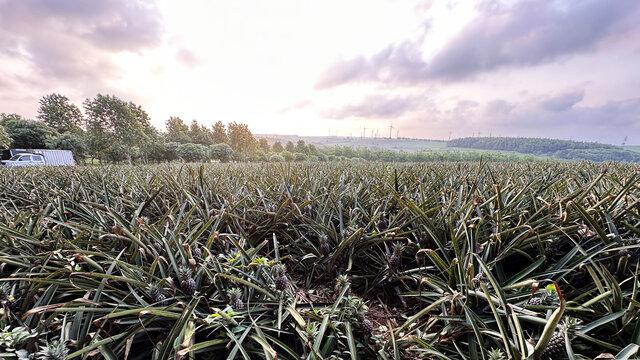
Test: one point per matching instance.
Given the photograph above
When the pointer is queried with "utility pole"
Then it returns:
(390, 128)
(364, 131)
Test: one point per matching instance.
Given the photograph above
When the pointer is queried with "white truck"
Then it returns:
(37, 157)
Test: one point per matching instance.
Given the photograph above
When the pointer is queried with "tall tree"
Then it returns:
(58, 112)
(29, 134)
(277, 147)
(290, 147)
(240, 138)
(177, 130)
(301, 147)
(264, 145)
(219, 133)
(113, 124)
(200, 134)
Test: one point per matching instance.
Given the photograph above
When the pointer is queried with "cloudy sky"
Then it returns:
(432, 69)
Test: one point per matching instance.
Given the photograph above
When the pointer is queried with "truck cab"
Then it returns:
(25, 159)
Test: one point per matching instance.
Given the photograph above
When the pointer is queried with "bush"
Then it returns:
(221, 152)
(276, 158)
(299, 157)
(192, 152)
(287, 155)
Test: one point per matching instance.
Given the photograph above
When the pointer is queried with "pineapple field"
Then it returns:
(321, 261)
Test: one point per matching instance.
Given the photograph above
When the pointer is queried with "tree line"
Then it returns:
(114, 130)
(563, 149)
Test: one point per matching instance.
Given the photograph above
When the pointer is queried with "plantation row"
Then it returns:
(323, 260)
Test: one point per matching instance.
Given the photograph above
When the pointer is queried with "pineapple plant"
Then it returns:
(357, 312)
(235, 298)
(557, 347)
(396, 255)
(54, 350)
(280, 275)
(187, 284)
(156, 294)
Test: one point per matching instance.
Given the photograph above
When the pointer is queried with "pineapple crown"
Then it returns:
(235, 294)
(398, 248)
(279, 270)
(569, 324)
(184, 272)
(5, 289)
(496, 354)
(342, 281)
(54, 350)
(155, 289)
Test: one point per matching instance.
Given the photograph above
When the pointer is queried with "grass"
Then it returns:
(143, 262)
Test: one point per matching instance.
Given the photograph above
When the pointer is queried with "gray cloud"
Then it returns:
(378, 107)
(188, 58)
(71, 39)
(498, 107)
(531, 32)
(606, 123)
(562, 102)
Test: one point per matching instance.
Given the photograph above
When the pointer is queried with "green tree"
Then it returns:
(73, 142)
(221, 152)
(277, 147)
(192, 152)
(171, 151)
(241, 139)
(5, 140)
(29, 134)
(200, 134)
(219, 133)
(301, 147)
(177, 130)
(264, 145)
(58, 112)
(290, 147)
(112, 121)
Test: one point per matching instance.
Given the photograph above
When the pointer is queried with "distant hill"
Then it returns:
(563, 149)
(397, 144)
(540, 147)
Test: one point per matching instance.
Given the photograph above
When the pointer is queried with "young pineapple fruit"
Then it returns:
(158, 247)
(341, 282)
(396, 256)
(196, 252)
(383, 223)
(235, 298)
(325, 248)
(187, 284)
(280, 276)
(480, 278)
(55, 350)
(557, 347)
(156, 295)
